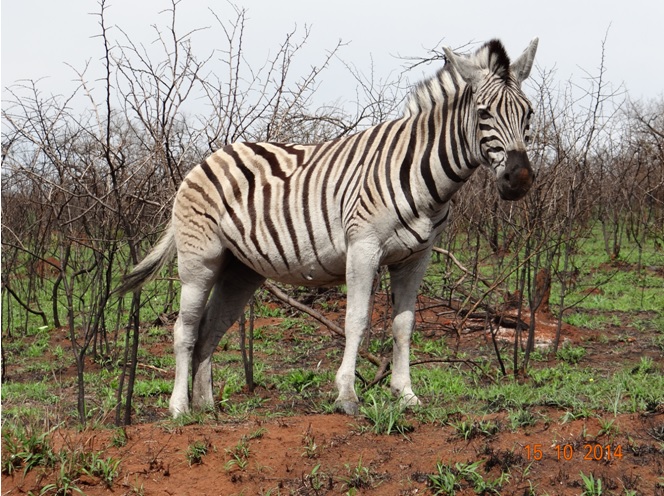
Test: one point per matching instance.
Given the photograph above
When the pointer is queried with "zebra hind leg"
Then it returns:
(405, 280)
(199, 271)
(235, 285)
(192, 305)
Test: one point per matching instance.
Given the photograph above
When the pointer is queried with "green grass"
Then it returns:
(196, 451)
(571, 385)
(19, 392)
(565, 385)
(591, 485)
(166, 361)
(619, 287)
(450, 479)
(436, 348)
(625, 291)
(571, 354)
(385, 415)
(25, 448)
(591, 321)
(106, 469)
(153, 387)
(358, 477)
(469, 429)
(239, 455)
(302, 380)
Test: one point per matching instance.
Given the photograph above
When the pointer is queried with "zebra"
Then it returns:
(322, 214)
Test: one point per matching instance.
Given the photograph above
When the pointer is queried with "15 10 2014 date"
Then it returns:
(591, 452)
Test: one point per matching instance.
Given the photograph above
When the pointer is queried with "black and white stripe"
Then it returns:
(304, 214)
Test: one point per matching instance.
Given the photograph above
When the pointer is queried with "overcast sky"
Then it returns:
(40, 37)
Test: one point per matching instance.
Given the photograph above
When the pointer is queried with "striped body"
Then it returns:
(287, 211)
(337, 211)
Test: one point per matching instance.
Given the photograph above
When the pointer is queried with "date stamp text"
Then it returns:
(589, 452)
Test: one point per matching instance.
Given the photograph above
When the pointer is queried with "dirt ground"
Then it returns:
(310, 453)
(153, 460)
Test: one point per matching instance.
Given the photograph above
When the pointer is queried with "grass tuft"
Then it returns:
(386, 417)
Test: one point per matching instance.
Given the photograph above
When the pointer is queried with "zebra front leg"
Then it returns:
(405, 280)
(230, 295)
(361, 266)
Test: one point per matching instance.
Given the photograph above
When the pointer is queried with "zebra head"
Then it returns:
(502, 112)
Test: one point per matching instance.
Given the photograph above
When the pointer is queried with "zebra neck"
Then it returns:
(448, 151)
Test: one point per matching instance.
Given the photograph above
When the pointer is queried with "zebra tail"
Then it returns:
(148, 269)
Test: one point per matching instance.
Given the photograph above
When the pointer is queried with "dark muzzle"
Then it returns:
(517, 178)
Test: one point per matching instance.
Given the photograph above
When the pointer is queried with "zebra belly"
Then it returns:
(306, 270)
(323, 263)
(298, 259)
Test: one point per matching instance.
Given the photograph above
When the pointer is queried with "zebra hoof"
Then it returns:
(203, 405)
(178, 410)
(347, 407)
(409, 401)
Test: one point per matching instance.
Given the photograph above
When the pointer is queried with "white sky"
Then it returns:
(40, 37)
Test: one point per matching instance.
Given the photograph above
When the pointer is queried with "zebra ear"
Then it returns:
(522, 66)
(470, 72)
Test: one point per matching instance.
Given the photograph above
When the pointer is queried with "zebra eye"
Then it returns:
(484, 114)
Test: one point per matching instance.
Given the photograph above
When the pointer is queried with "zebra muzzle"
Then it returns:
(517, 178)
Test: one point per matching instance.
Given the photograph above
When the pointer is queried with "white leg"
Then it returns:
(233, 289)
(361, 266)
(192, 304)
(198, 273)
(405, 280)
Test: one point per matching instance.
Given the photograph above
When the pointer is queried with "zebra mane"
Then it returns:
(491, 57)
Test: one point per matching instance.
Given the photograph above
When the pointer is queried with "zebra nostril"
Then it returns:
(507, 177)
